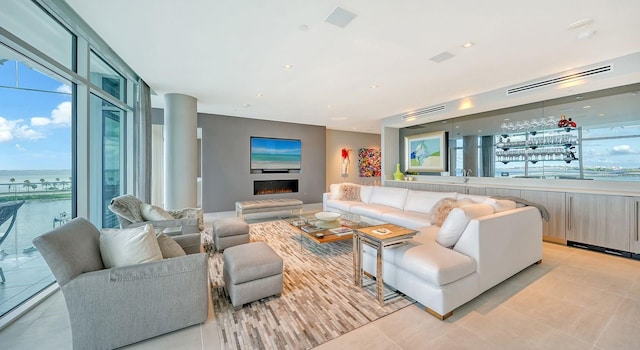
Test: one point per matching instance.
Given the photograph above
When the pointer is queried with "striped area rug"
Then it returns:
(319, 301)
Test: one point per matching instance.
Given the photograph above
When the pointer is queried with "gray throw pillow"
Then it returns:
(169, 247)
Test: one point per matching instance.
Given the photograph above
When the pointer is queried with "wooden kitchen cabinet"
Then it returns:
(634, 232)
(554, 229)
(600, 220)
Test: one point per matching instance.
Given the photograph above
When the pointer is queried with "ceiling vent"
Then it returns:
(420, 112)
(562, 79)
(340, 17)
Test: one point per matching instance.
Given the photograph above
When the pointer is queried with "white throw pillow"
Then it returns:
(129, 246)
(500, 205)
(153, 213)
(458, 220)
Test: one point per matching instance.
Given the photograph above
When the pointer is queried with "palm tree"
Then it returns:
(57, 182)
(12, 180)
(27, 184)
(42, 184)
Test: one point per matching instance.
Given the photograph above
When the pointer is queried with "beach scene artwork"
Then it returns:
(275, 154)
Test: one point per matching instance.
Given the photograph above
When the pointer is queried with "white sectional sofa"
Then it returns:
(482, 243)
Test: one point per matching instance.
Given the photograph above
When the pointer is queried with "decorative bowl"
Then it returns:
(327, 216)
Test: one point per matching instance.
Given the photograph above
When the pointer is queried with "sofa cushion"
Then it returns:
(334, 191)
(365, 193)
(423, 201)
(436, 264)
(389, 196)
(123, 247)
(429, 261)
(500, 205)
(441, 210)
(457, 221)
(408, 219)
(375, 211)
(342, 205)
(474, 197)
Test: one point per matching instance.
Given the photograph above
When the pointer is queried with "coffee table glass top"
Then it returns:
(326, 231)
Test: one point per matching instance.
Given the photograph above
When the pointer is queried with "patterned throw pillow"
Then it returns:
(350, 192)
(441, 209)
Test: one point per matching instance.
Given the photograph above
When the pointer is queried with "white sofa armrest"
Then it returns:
(325, 197)
(503, 243)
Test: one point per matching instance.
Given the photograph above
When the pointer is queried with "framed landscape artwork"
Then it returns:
(426, 152)
(369, 162)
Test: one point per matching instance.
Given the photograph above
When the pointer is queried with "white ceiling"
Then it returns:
(230, 55)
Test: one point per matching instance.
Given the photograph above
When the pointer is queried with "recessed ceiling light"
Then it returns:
(579, 97)
(246, 105)
(329, 106)
(303, 27)
(259, 94)
(587, 106)
(287, 66)
(601, 114)
(507, 119)
(457, 126)
(467, 44)
(580, 23)
(586, 34)
(410, 119)
(479, 130)
(374, 86)
(444, 122)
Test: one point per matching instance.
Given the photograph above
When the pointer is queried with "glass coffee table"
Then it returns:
(321, 232)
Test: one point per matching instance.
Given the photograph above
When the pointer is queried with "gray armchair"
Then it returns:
(110, 308)
(127, 210)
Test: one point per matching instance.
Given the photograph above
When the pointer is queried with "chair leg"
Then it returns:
(2, 276)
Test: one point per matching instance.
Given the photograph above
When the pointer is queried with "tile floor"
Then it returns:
(575, 299)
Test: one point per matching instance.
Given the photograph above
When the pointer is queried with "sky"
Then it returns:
(35, 126)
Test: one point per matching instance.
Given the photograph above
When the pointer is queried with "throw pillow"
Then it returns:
(441, 210)
(169, 247)
(129, 246)
(457, 221)
(154, 213)
(350, 192)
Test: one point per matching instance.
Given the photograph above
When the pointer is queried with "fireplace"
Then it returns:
(275, 187)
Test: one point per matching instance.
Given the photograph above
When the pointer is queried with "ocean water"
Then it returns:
(35, 217)
(275, 161)
(33, 176)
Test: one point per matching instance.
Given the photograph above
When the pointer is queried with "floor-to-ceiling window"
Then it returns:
(35, 170)
(67, 111)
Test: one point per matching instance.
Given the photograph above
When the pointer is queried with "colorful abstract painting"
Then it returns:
(369, 162)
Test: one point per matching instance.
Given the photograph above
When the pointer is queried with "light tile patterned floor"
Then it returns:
(575, 299)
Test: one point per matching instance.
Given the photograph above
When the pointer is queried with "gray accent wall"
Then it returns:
(225, 160)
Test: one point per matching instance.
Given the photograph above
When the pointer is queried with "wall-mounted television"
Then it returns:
(273, 155)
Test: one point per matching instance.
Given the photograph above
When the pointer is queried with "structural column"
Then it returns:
(470, 154)
(180, 151)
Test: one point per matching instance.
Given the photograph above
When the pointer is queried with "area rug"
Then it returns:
(319, 301)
